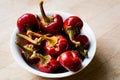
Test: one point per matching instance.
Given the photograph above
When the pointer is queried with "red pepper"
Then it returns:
(84, 45)
(83, 39)
(28, 21)
(50, 24)
(60, 45)
(54, 45)
(53, 66)
(27, 51)
(72, 27)
(70, 60)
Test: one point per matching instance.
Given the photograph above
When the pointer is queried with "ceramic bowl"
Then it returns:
(85, 30)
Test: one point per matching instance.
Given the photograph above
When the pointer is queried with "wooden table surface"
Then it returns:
(102, 15)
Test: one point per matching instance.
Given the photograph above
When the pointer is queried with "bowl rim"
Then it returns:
(22, 63)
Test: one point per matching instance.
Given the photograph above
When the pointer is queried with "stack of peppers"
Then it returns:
(52, 45)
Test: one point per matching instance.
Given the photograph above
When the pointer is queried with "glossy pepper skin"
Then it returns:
(53, 27)
(83, 39)
(27, 21)
(75, 23)
(57, 49)
(70, 60)
(52, 67)
(50, 24)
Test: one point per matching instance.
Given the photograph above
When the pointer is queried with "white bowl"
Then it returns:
(85, 30)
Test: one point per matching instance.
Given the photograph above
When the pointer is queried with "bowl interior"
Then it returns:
(85, 30)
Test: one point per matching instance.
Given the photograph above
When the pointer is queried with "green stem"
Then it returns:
(28, 39)
(27, 52)
(72, 39)
(18, 44)
(52, 41)
(44, 59)
(33, 33)
(37, 34)
(46, 19)
(82, 51)
(71, 34)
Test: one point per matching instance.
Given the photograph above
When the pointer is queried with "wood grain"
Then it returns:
(102, 15)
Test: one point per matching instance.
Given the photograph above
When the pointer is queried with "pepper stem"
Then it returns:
(27, 52)
(31, 54)
(52, 41)
(71, 34)
(37, 34)
(44, 59)
(35, 42)
(82, 51)
(46, 19)
(18, 44)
